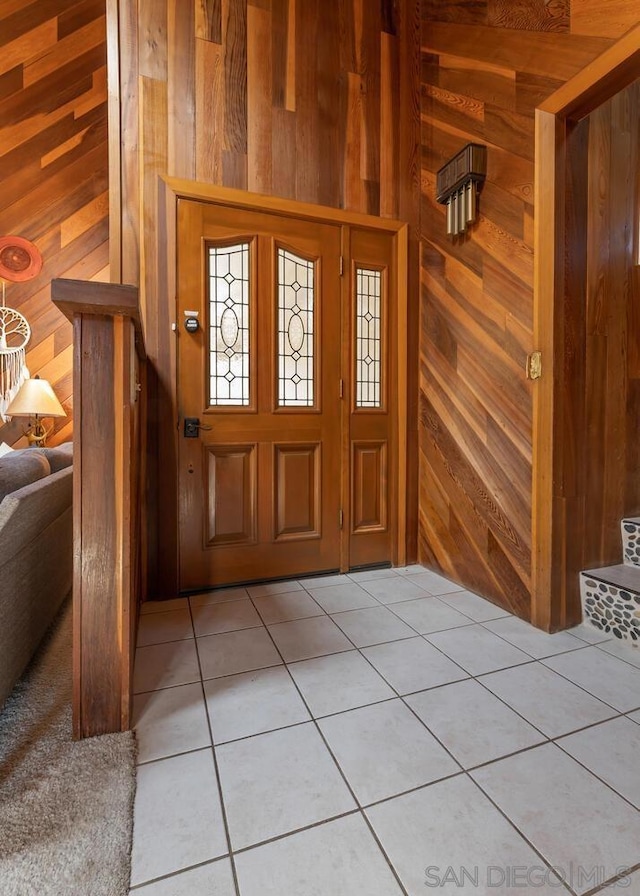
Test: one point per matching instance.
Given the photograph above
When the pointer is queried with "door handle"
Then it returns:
(192, 427)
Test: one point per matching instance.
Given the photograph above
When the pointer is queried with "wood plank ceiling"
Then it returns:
(53, 169)
(486, 65)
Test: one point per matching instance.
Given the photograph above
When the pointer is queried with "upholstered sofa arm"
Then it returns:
(36, 560)
(26, 513)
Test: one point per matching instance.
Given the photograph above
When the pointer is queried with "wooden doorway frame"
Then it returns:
(170, 191)
(559, 251)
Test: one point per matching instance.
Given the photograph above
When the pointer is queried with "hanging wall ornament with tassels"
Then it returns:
(19, 260)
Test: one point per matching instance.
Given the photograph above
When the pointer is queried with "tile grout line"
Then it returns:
(395, 796)
(464, 771)
(622, 659)
(172, 874)
(594, 774)
(360, 809)
(468, 676)
(519, 832)
(223, 810)
(585, 689)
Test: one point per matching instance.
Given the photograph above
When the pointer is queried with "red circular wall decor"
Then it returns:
(19, 259)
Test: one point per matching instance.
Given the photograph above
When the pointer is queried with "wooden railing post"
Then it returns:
(108, 497)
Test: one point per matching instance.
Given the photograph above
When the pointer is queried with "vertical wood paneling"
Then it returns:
(612, 484)
(300, 99)
(181, 89)
(209, 111)
(259, 118)
(53, 170)
(124, 230)
(209, 20)
(486, 65)
(408, 24)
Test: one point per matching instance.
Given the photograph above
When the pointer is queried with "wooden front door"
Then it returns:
(283, 359)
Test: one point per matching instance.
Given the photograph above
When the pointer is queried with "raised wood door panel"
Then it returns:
(260, 489)
(230, 494)
(369, 487)
(371, 358)
(297, 491)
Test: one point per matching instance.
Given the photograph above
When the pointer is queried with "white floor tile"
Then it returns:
(384, 750)
(611, 752)
(588, 633)
(536, 643)
(252, 703)
(339, 682)
(170, 721)
(548, 701)
(165, 665)
(373, 625)
(278, 782)
(473, 724)
(412, 570)
(216, 877)
(286, 607)
(623, 650)
(393, 591)
(449, 839)
(473, 606)
(339, 858)
(603, 675)
(273, 588)
(434, 583)
(337, 598)
(368, 575)
(158, 628)
(413, 665)
(428, 614)
(279, 777)
(227, 617)
(220, 596)
(177, 816)
(560, 808)
(478, 650)
(163, 606)
(235, 652)
(324, 581)
(305, 638)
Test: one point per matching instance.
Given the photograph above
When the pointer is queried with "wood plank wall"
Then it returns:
(53, 169)
(301, 99)
(485, 67)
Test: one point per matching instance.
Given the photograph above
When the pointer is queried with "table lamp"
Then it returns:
(36, 399)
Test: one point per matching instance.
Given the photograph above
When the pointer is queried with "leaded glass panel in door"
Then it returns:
(229, 325)
(368, 338)
(296, 331)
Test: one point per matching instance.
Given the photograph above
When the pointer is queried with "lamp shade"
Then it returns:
(36, 397)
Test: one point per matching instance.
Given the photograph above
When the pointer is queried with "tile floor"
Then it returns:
(379, 734)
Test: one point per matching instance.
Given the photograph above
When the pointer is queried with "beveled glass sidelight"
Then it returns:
(229, 326)
(296, 294)
(368, 338)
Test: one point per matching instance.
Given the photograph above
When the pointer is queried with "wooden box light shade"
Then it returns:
(457, 186)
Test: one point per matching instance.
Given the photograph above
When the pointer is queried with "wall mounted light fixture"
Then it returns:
(458, 184)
